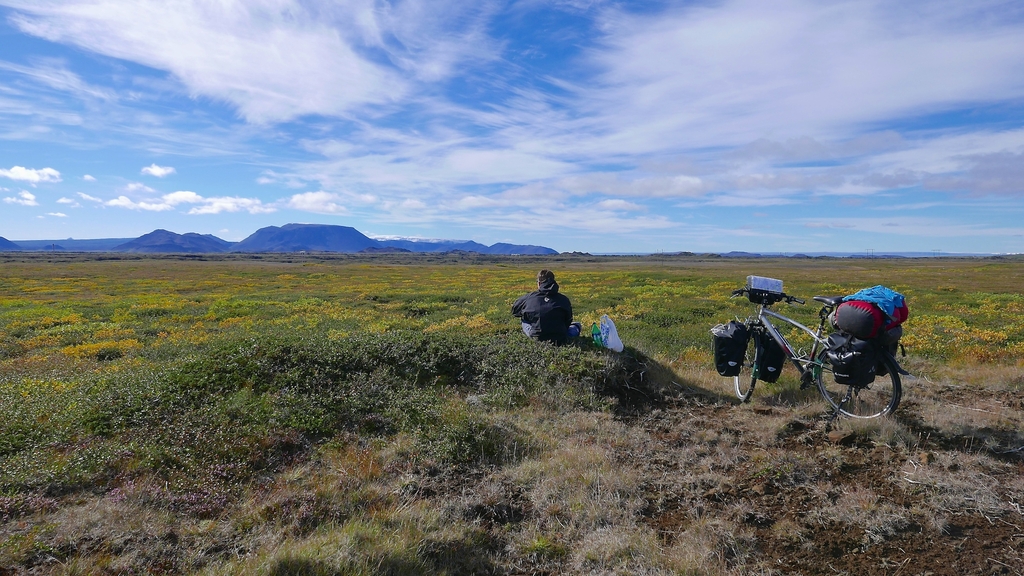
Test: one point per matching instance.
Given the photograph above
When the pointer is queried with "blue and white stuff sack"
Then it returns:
(609, 335)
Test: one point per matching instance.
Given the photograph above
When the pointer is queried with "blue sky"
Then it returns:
(789, 126)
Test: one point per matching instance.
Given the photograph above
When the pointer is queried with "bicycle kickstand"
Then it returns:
(835, 414)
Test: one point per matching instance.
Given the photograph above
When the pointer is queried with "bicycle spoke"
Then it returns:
(876, 399)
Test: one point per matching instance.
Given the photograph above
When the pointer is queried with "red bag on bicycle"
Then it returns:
(861, 319)
(866, 320)
(899, 316)
(871, 311)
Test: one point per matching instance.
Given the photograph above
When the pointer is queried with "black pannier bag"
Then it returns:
(730, 344)
(772, 360)
(853, 360)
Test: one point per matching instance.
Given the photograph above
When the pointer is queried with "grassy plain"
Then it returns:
(384, 415)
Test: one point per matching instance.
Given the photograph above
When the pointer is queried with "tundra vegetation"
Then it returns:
(384, 415)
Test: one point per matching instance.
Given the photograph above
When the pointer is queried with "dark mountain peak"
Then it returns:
(8, 246)
(306, 237)
(385, 250)
(459, 246)
(505, 248)
(163, 241)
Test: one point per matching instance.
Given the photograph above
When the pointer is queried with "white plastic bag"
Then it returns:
(609, 335)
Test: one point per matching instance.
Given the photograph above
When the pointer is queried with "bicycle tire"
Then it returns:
(744, 382)
(877, 399)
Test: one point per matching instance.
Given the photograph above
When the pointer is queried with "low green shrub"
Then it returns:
(234, 408)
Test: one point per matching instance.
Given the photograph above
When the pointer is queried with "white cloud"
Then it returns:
(735, 71)
(745, 199)
(55, 75)
(31, 175)
(232, 204)
(213, 205)
(158, 171)
(272, 177)
(57, 214)
(412, 204)
(24, 198)
(994, 173)
(543, 218)
(672, 186)
(88, 178)
(138, 187)
(317, 202)
(70, 202)
(911, 226)
(476, 201)
(736, 98)
(274, 60)
(85, 196)
(182, 197)
(126, 202)
(620, 205)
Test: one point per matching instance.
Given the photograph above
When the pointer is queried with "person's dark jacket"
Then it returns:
(547, 312)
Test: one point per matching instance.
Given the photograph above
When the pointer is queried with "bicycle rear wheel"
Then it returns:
(744, 382)
(879, 398)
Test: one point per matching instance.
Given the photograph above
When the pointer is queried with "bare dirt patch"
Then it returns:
(844, 503)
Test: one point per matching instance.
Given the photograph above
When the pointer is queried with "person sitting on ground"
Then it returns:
(546, 314)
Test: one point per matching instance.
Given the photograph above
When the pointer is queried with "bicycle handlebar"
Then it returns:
(786, 297)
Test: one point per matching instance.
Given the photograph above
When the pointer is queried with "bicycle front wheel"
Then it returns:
(879, 398)
(744, 382)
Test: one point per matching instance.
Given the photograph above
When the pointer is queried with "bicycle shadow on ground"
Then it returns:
(640, 384)
(1004, 442)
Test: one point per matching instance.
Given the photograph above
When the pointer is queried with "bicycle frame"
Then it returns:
(764, 316)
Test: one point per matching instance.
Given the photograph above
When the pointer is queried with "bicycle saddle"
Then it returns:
(830, 300)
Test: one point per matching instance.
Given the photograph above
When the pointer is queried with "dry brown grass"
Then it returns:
(965, 483)
(688, 484)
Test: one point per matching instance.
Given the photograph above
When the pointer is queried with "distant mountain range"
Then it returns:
(72, 245)
(287, 238)
(328, 238)
(7, 246)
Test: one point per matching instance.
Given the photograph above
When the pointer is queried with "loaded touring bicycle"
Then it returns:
(859, 377)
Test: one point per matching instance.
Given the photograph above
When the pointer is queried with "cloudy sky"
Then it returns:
(784, 126)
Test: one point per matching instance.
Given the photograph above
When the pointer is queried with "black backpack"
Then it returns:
(729, 342)
(854, 361)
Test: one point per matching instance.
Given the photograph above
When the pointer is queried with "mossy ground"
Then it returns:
(384, 415)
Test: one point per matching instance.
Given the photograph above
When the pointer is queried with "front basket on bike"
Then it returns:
(762, 290)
